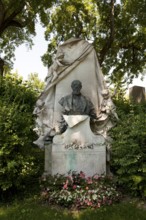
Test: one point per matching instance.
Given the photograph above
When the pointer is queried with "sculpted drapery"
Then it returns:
(75, 59)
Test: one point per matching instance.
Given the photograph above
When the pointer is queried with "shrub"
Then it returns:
(78, 191)
(129, 148)
(19, 158)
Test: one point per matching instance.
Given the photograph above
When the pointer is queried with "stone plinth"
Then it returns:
(78, 149)
(90, 161)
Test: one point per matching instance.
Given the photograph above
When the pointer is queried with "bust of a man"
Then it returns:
(76, 103)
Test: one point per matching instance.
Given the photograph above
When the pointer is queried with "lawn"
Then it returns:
(32, 209)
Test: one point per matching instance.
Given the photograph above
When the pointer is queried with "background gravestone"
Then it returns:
(137, 94)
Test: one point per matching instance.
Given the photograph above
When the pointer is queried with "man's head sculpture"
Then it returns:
(76, 86)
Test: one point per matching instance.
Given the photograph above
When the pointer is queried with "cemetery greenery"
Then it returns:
(17, 24)
(32, 209)
(117, 32)
(20, 160)
(129, 147)
(120, 50)
(128, 159)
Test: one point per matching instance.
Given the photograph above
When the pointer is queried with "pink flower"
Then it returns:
(74, 187)
(65, 185)
(86, 201)
(82, 174)
(98, 204)
(89, 180)
(96, 177)
(89, 203)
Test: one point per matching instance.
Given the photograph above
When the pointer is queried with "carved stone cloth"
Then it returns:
(79, 62)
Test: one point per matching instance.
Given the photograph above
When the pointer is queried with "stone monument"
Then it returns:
(75, 112)
(137, 94)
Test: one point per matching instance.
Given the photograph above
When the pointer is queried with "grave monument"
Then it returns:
(137, 94)
(75, 112)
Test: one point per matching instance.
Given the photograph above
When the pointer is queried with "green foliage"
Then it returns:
(118, 36)
(78, 191)
(118, 31)
(19, 158)
(17, 23)
(35, 82)
(74, 18)
(31, 209)
(129, 147)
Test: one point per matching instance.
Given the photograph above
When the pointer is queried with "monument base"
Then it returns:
(77, 149)
(90, 161)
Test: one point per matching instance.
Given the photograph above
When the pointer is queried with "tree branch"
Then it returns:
(1, 12)
(1, 67)
(10, 20)
(16, 24)
(110, 39)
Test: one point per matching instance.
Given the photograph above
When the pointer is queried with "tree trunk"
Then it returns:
(110, 39)
(2, 67)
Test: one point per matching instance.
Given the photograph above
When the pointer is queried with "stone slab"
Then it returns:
(90, 161)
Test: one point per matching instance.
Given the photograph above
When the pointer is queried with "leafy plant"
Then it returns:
(129, 148)
(19, 158)
(78, 191)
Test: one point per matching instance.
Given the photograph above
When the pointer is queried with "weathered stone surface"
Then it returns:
(79, 63)
(48, 159)
(137, 94)
(73, 120)
(78, 149)
(90, 161)
(75, 112)
(80, 133)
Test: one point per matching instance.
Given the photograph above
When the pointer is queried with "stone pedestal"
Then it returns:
(78, 149)
(90, 161)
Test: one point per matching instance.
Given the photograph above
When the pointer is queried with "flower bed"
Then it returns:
(78, 191)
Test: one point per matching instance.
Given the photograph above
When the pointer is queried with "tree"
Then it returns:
(17, 23)
(117, 32)
(35, 82)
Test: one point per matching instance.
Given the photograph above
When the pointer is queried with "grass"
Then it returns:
(32, 209)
